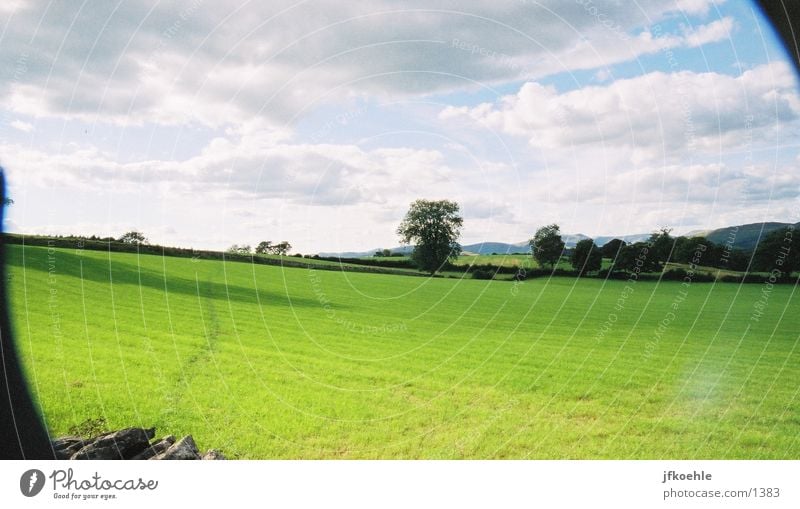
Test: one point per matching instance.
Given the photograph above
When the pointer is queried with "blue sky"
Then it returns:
(318, 122)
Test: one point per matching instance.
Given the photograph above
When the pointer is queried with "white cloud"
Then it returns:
(716, 31)
(649, 117)
(254, 164)
(196, 61)
(25, 127)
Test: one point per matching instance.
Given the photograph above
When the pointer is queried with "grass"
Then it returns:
(509, 260)
(270, 362)
(524, 261)
(716, 272)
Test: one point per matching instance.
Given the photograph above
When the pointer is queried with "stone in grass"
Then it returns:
(213, 454)
(183, 449)
(65, 447)
(156, 448)
(122, 444)
(67, 441)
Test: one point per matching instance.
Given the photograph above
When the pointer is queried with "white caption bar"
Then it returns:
(402, 484)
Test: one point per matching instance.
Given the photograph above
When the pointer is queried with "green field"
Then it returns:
(270, 362)
(510, 260)
(524, 261)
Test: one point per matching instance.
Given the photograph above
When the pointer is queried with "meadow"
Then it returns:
(270, 362)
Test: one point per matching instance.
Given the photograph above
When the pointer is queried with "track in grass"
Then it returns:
(270, 362)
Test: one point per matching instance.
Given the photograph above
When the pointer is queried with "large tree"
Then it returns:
(662, 244)
(242, 250)
(586, 257)
(697, 250)
(133, 237)
(547, 245)
(612, 248)
(264, 247)
(637, 258)
(282, 248)
(433, 227)
(267, 247)
(778, 250)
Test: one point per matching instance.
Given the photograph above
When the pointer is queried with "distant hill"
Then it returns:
(487, 248)
(636, 237)
(745, 238)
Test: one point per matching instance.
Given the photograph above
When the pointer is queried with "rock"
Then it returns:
(156, 448)
(213, 454)
(64, 442)
(65, 447)
(130, 444)
(183, 449)
(123, 444)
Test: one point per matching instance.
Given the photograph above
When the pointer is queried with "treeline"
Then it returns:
(118, 245)
(109, 244)
(774, 254)
(388, 253)
(395, 262)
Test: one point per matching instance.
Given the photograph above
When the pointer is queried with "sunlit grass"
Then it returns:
(265, 362)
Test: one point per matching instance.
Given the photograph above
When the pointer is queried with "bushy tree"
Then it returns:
(612, 248)
(586, 257)
(267, 247)
(661, 245)
(736, 260)
(700, 248)
(433, 227)
(237, 249)
(547, 245)
(282, 248)
(637, 257)
(133, 237)
(779, 249)
(264, 247)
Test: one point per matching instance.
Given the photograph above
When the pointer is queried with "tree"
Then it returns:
(264, 247)
(612, 248)
(736, 260)
(661, 245)
(778, 250)
(434, 228)
(242, 250)
(133, 237)
(637, 258)
(547, 246)
(697, 250)
(586, 257)
(282, 248)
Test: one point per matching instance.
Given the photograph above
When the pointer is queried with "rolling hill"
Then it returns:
(746, 236)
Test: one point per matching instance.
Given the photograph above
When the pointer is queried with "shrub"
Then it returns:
(675, 275)
(482, 274)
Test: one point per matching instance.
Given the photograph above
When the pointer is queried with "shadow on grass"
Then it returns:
(66, 263)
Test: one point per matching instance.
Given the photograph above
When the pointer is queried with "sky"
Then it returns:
(204, 124)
